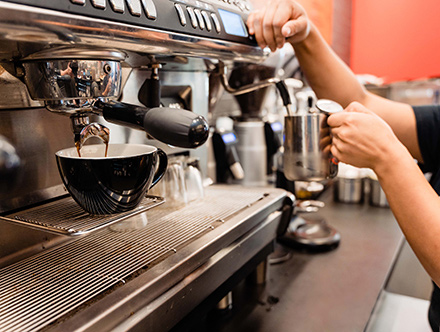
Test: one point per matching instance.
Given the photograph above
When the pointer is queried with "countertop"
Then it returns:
(333, 291)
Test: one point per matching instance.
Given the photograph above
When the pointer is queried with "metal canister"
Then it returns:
(377, 195)
(349, 190)
(251, 150)
(305, 155)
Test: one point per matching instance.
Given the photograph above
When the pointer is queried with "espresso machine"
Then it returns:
(264, 95)
(141, 69)
(250, 126)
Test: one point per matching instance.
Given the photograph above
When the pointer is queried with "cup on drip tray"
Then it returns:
(113, 184)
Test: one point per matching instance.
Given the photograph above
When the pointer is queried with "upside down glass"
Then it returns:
(173, 186)
(193, 180)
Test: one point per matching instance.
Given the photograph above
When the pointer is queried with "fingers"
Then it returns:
(336, 120)
(349, 115)
(255, 24)
(268, 27)
(278, 21)
(336, 153)
(250, 22)
(325, 143)
(354, 115)
(339, 149)
(282, 25)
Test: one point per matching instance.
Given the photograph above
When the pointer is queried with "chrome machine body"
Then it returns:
(61, 269)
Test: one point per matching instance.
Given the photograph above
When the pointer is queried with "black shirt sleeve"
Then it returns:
(428, 134)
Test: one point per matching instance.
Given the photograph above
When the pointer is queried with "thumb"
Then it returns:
(294, 26)
(358, 108)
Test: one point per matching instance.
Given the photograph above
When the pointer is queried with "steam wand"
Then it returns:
(279, 83)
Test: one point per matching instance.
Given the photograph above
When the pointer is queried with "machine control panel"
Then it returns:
(219, 19)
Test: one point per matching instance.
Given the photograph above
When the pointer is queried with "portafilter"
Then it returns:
(78, 82)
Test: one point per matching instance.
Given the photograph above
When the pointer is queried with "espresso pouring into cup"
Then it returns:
(79, 82)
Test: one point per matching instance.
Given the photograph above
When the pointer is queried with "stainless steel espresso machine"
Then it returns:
(142, 64)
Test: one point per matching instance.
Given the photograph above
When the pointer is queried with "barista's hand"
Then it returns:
(279, 21)
(67, 71)
(363, 139)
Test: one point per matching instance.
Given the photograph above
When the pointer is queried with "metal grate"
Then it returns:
(36, 291)
(66, 217)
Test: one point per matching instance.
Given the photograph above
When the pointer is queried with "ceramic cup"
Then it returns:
(113, 184)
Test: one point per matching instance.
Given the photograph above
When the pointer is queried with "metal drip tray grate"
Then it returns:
(66, 217)
(37, 291)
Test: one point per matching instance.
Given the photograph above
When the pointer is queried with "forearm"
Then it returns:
(416, 207)
(327, 74)
(331, 78)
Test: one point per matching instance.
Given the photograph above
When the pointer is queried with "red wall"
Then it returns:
(396, 39)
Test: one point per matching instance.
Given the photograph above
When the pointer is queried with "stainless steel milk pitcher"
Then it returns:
(307, 155)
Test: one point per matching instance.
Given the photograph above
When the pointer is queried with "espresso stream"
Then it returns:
(93, 130)
(78, 148)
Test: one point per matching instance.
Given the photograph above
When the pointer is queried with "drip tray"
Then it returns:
(65, 216)
(125, 270)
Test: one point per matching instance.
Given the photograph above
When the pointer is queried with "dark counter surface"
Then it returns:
(333, 291)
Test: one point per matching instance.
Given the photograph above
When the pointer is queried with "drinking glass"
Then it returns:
(175, 191)
(194, 181)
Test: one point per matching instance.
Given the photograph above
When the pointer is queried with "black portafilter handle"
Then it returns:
(177, 127)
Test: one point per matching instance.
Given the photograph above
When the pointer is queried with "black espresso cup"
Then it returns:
(112, 184)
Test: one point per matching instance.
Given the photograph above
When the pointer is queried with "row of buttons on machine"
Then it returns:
(196, 3)
(242, 5)
(198, 18)
(118, 6)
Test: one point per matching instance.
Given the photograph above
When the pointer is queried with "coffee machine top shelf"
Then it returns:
(213, 29)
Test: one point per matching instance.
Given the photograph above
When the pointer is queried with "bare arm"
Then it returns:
(363, 139)
(327, 74)
(415, 206)
(382, 139)
(331, 78)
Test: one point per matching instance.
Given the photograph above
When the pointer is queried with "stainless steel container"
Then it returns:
(251, 150)
(349, 190)
(305, 155)
(377, 195)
